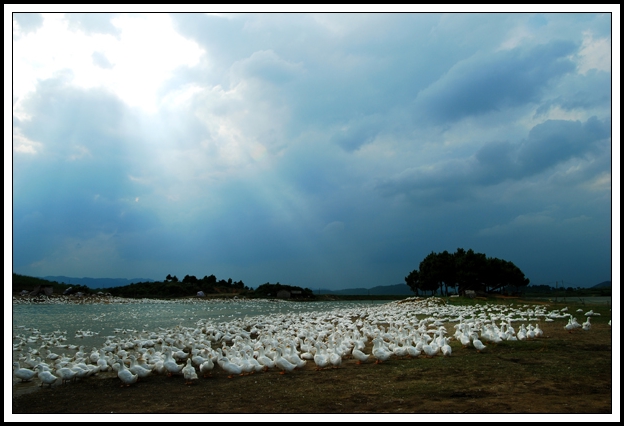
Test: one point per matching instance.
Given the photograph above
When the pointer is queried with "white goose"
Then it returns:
(170, 365)
(430, 350)
(294, 358)
(45, 376)
(137, 369)
(538, 331)
(321, 359)
(207, 367)
(102, 361)
(24, 374)
(81, 370)
(479, 346)
(571, 325)
(30, 361)
(282, 363)
(264, 360)
(521, 334)
(379, 351)
(400, 350)
(198, 360)
(464, 338)
(190, 375)
(360, 356)
(446, 348)
(229, 367)
(412, 351)
(125, 375)
(334, 357)
(257, 367)
(587, 325)
(66, 374)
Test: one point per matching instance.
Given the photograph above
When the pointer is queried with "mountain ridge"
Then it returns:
(97, 282)
(386, 290)
(602, 284)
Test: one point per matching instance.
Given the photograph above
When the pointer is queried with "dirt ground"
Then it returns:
(561, 373)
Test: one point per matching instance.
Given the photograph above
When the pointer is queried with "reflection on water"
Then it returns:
(96, 321)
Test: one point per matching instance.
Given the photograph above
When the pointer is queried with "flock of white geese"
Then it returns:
(413, 327)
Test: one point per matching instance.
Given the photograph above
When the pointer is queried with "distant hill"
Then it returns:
(603, 284)
(97, 282)
(391, 290)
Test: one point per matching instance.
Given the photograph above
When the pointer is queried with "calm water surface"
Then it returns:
(108, 319)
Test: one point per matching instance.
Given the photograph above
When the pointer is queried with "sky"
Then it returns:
(317, 150)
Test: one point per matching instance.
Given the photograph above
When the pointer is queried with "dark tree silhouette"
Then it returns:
(465, 270)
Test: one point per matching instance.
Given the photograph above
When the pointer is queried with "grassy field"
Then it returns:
(560, 373)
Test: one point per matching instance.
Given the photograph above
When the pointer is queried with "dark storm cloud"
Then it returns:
(486, 83)
(69, 118)
(79, 185)
(555, 141)
(547, 145)
(579, 92)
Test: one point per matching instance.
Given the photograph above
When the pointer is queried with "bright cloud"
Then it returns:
(133, 65)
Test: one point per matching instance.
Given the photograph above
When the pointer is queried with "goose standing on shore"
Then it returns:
(282, 363)
(45, 376)
(137, 369)
(360, 356)
(445, 348)
(190, 375)
(478, 344)
(66, 374)
(379, 351)
(207, 367)
(125, 375)
(24, 374)
(229, 367)
(264, 360)
(170, 365)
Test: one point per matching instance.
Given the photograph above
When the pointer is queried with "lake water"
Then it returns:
(146, 315)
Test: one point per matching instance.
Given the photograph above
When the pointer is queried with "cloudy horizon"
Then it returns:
(317, 150)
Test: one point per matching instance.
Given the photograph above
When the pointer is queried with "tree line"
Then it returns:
(171, 286)
(465, 270)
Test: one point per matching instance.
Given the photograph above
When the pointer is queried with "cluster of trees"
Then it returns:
(271, 290)
(25, 282)
(208, 281)
(173, 287)
(550, 291)
(465, 270)
(170, 287)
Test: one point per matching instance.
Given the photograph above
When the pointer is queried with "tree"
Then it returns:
(466, 270)
(210, 279)
(429, 273)
(189, 279)
(413, 281)
(447, 270)
(470, 270)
